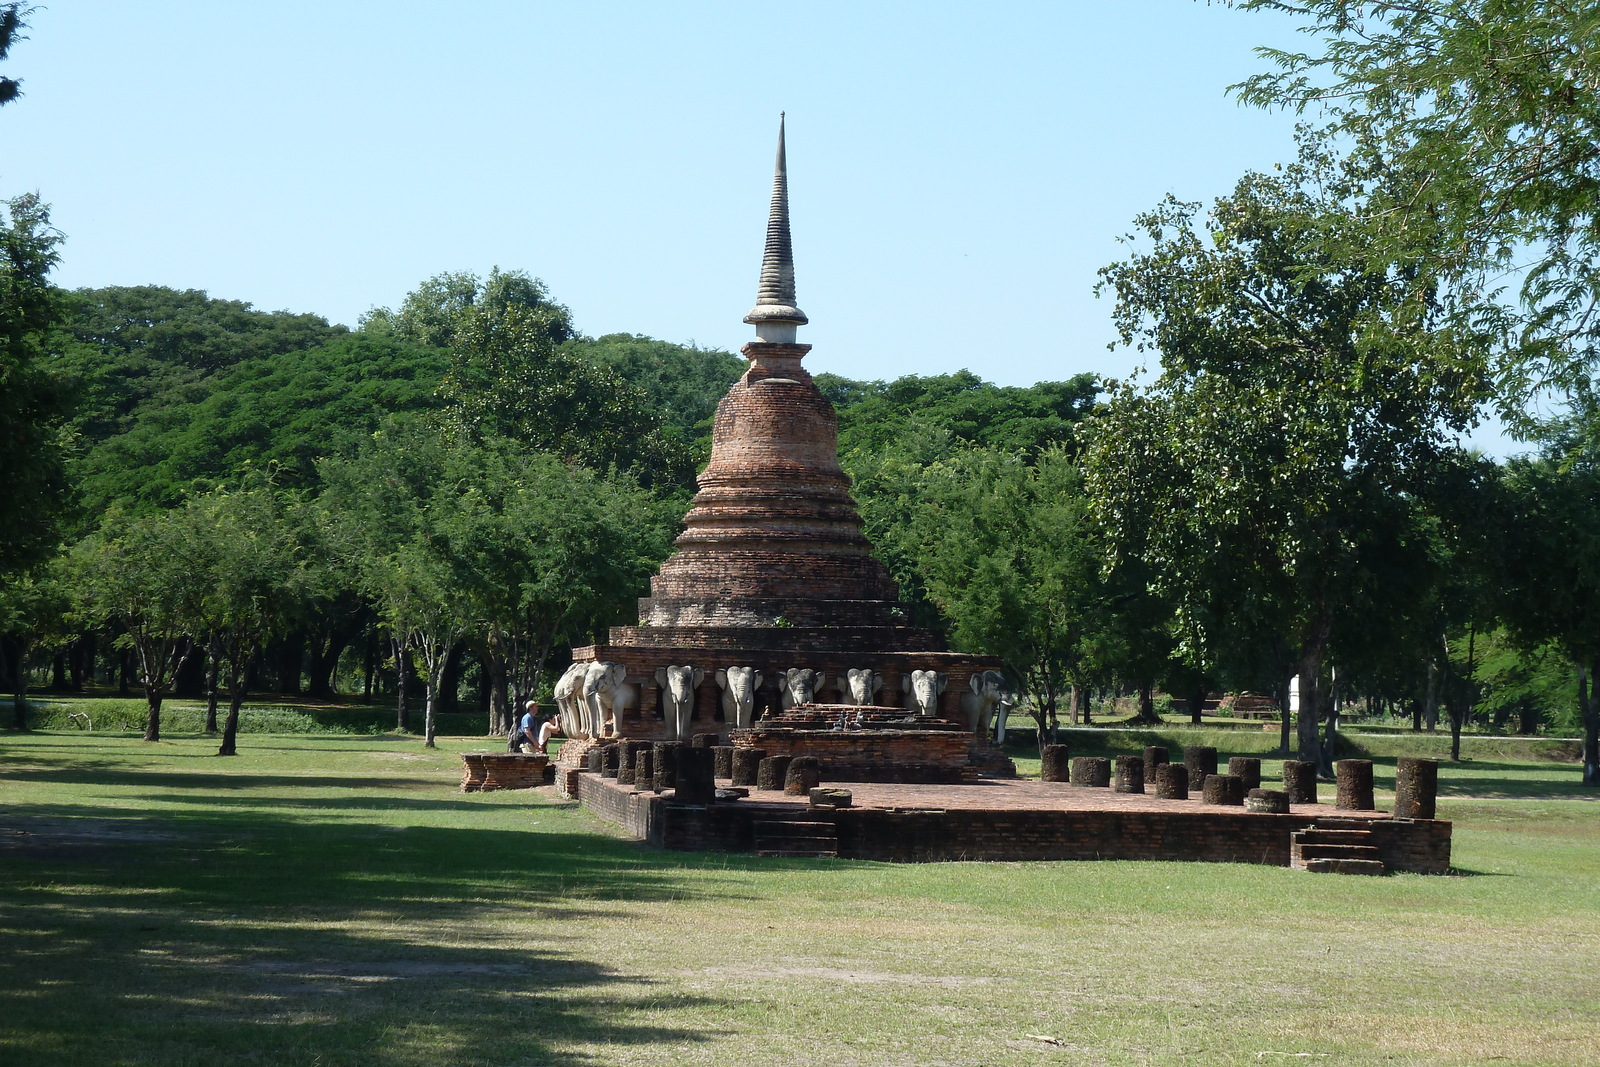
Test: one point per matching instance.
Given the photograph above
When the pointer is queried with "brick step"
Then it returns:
(1318, 851)
(1337, 822)
(793, 828)
(805, 844)
(1335, 866)
(1332, 837)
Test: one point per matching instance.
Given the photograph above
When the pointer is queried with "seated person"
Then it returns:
(527, 729)
(547, 729)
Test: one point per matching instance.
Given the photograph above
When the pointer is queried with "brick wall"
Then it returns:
(1421, 846)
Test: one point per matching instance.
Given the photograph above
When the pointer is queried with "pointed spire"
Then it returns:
(775, 315)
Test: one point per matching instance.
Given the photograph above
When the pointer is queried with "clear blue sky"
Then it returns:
(958, 172)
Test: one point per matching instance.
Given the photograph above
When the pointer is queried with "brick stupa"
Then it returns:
(772, 570)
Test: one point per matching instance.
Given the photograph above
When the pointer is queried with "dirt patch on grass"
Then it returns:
(77, 839)
(852, 975)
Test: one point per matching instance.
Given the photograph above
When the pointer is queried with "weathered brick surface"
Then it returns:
(1015, 820)
(487, 771)
(772, 570)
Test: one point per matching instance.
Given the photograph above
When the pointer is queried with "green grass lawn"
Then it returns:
(335, 900)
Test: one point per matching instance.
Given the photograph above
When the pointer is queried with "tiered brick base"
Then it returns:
(483, 772)
(1012, 820)
(882, 745)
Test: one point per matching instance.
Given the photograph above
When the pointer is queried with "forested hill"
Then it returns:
(177, 390)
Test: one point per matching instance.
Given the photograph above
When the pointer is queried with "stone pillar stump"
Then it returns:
(1054, 765)
(1353, 785)
(771, 772)
(1267, 801)
(1091, 771)
(1172, 781)
(1200, 760)
(803, 775)
(722, 760)
(1247, 769)
(1154, 756)
(1224, 789)
(1130, 774)
(745, 763)
(1300, 781)
(695, 780)
(1416, 787)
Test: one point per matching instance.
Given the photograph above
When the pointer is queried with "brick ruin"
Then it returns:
(772, 571)
(773, 576)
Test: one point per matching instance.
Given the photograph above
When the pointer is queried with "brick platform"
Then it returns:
(484, 772)
(1013, 820)
(883, 745)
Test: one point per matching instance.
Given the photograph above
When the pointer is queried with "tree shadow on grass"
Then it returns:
(262, 938)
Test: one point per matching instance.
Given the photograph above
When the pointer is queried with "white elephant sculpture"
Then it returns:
(861, 686)
(987, 689)
(1002, 712)
(606, 695)
(678, 685)
(738, 685)
(570, 709)
(922, 695)
(800, 686)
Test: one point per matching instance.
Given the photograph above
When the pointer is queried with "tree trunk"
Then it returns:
(1589, 707)
(1330, 736)
(1197, 704)
(1075, 703)
(370, 664)
(152, 722)
(402, 670)
(494, 669)
(290, 651)
(80, 662)
(1283, 718)
(1430, 699)
(238, 683)
(19, 684)
(58, 672)
(213, 664)
(125, 673)
(1306, 728)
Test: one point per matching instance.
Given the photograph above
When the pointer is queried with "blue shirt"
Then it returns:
(527, 723)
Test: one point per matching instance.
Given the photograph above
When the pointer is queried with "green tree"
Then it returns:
(1012, 559)
(13, 18)
(1551, 593)
(128, 351)
(431, 314)
(1277, 470)
(250, 559)
(1485, 113)
(273, 412)
(33, 610)
(146, 574)
(33, 403)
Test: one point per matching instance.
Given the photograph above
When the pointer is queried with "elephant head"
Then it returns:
(739, 685)
(569, 701)
(800, 685)
(986, 690)
(923, 693)
(862, 685)
(605, 695)
(678, 685)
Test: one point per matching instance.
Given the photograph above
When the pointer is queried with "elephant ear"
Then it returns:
(822, 680)
(877, 682)
(975, 683)
(941, 680)
(722, 677)
(755, 680)
(699, 676)
(791, 674)
(661, 677)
